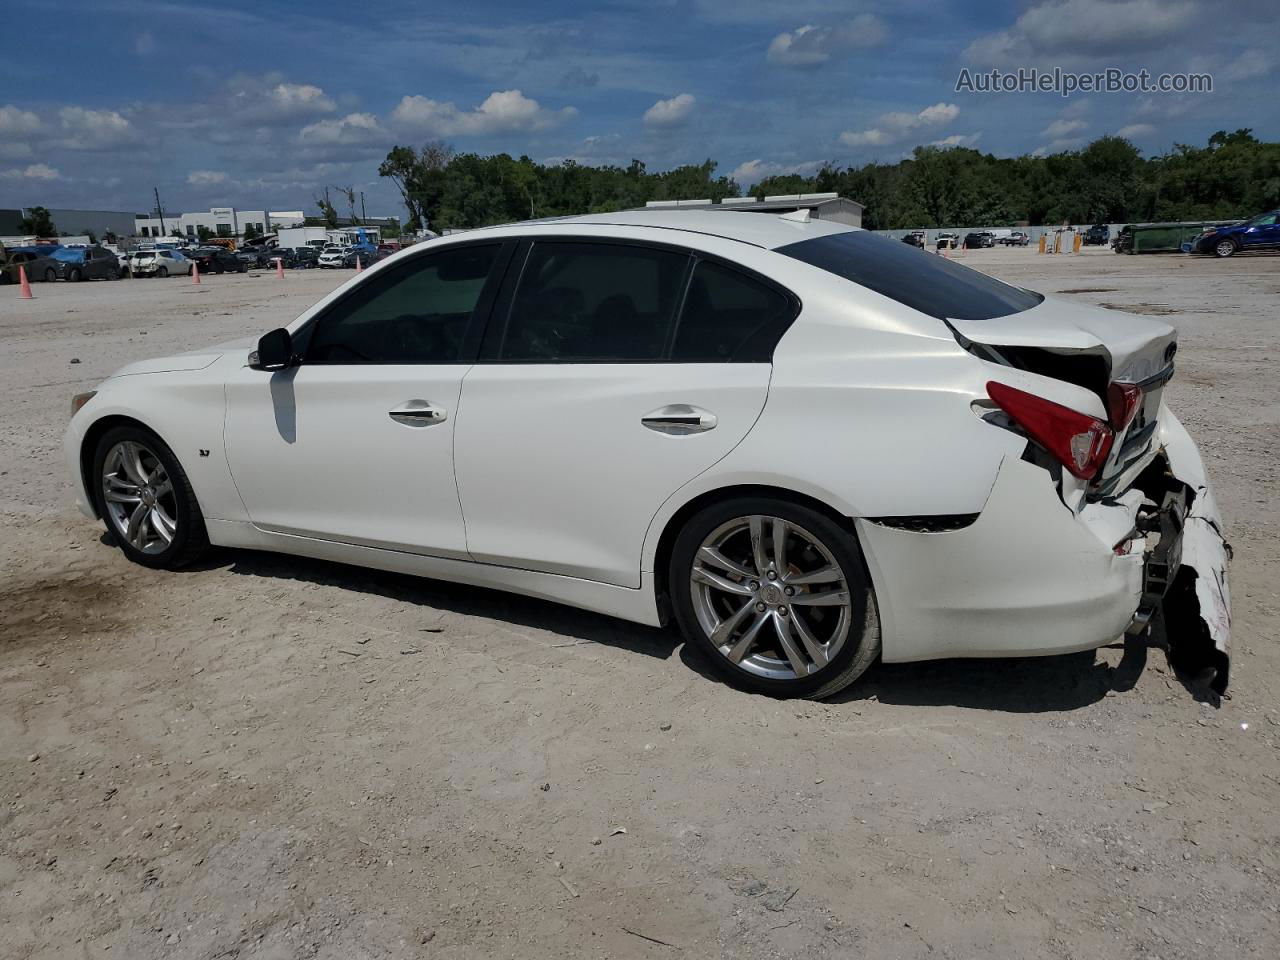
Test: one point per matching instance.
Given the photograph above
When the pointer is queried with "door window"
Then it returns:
(414, 313)
(594, 302)
(729, 316)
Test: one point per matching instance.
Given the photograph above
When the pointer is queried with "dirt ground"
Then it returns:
(268, 757)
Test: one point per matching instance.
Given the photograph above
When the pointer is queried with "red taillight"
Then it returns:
(1079, 441)
(1123, 401)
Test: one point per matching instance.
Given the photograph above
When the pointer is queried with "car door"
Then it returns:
(612, 373)
(354, 443)
(1262, 231)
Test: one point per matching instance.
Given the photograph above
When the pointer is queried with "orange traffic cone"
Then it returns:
(195, 272)
(25, 288)
(358, 267)
(280, 267)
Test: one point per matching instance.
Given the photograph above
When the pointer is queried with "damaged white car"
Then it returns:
(808, 445)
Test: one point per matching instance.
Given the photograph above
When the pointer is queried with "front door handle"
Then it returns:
(418, 413)
(679, 420)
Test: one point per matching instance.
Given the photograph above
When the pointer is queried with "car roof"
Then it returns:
(766, 230)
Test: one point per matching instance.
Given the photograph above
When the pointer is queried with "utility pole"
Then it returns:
(363, 216)
(160, 211)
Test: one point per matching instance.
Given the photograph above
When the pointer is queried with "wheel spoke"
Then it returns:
(748, 638)
(821, 575)
(117, 496)
(162, 524)
(717, 559)
(780, 530)
(720, 635)
(811, 645)
(703, 575)
(131, 460)
(756, 526)
(782, 626)
(164, 488)
(136, 533)
(832, 598)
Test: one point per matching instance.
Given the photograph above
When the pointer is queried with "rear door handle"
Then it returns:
(679, 420)
(418, 413)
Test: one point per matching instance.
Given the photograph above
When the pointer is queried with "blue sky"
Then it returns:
(263, 104)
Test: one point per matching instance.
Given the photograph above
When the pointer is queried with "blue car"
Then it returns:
(1260, 233)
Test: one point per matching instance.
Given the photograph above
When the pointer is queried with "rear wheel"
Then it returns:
(75, 276)
(776, 596)
(146, 500)
(1225, 248)
(50, 275)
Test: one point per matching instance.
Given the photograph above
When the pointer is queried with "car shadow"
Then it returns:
(526, 612)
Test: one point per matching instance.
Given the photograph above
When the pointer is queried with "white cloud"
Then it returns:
(94, 129)
(144, 43)
(1249, 66)
(670, 113)
(1085, 28)
(753, 171)
(15, 122)
(809, 46)
(893, 127)
(35, 171)
(1135, 131)
(503, 111)
(354, 128)
(206, 178)
(271, 101)
(957, 140)
(1062, 128)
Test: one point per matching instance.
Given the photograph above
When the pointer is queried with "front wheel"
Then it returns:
(146, 500)
(75, 276)
(162, 272)
(1224, 248)
(776, 596)
(50, 275)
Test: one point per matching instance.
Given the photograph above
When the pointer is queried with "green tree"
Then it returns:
(327, 211)
(38, 222)
(203, 233)
(250, 231)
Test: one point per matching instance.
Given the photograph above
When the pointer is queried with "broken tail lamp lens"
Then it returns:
(1078, 441)
(1123, 401)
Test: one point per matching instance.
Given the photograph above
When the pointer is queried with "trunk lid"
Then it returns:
(1092, 347)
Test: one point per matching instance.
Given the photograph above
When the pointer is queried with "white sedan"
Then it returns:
(807, 445)
(159, 263)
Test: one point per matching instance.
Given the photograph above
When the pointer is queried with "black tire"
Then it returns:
(75, 276)
(862, 644)
(113, 274)
(191, 538)
(243, 269)
(50, 275)
(162, 272)
(1225, 248)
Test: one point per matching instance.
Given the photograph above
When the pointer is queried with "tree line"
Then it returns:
(1233, 176)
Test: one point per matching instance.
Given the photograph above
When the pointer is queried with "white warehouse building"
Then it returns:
(219, 221)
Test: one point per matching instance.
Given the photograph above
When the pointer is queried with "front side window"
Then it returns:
(414, 313)
(594, 302)
(934, 285)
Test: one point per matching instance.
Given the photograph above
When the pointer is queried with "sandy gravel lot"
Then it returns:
(274, 758)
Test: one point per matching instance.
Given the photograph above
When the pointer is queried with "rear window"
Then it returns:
(924, 281)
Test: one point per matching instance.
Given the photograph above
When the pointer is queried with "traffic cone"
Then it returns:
(195, 272)
(24, 292)
(280, 267)
(358, 267)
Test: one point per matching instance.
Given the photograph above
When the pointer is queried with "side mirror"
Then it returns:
(275, 351)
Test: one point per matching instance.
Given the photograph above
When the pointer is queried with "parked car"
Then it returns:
(978, 239)
(947, 241)
(689, 372)
(333, 259)
(1099, 235)
(217, 260)
(254, 257)
(1260, 233)
(915, 238)
(86, 263)
(298, 257)
(38, 263)
(1016, 239)
(159, 263)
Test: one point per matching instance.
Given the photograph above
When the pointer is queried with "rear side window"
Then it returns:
(926, 282)
(415, 313)
(729, 316)
(597, 302)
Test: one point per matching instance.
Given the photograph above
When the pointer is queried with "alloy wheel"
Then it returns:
(138, 496)
(770, 597)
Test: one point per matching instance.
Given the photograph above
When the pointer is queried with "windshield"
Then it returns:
(926, 282)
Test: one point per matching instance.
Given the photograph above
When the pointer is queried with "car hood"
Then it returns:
(193, 360)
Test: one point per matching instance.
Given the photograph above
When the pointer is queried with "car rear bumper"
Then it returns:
(1031, 577)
